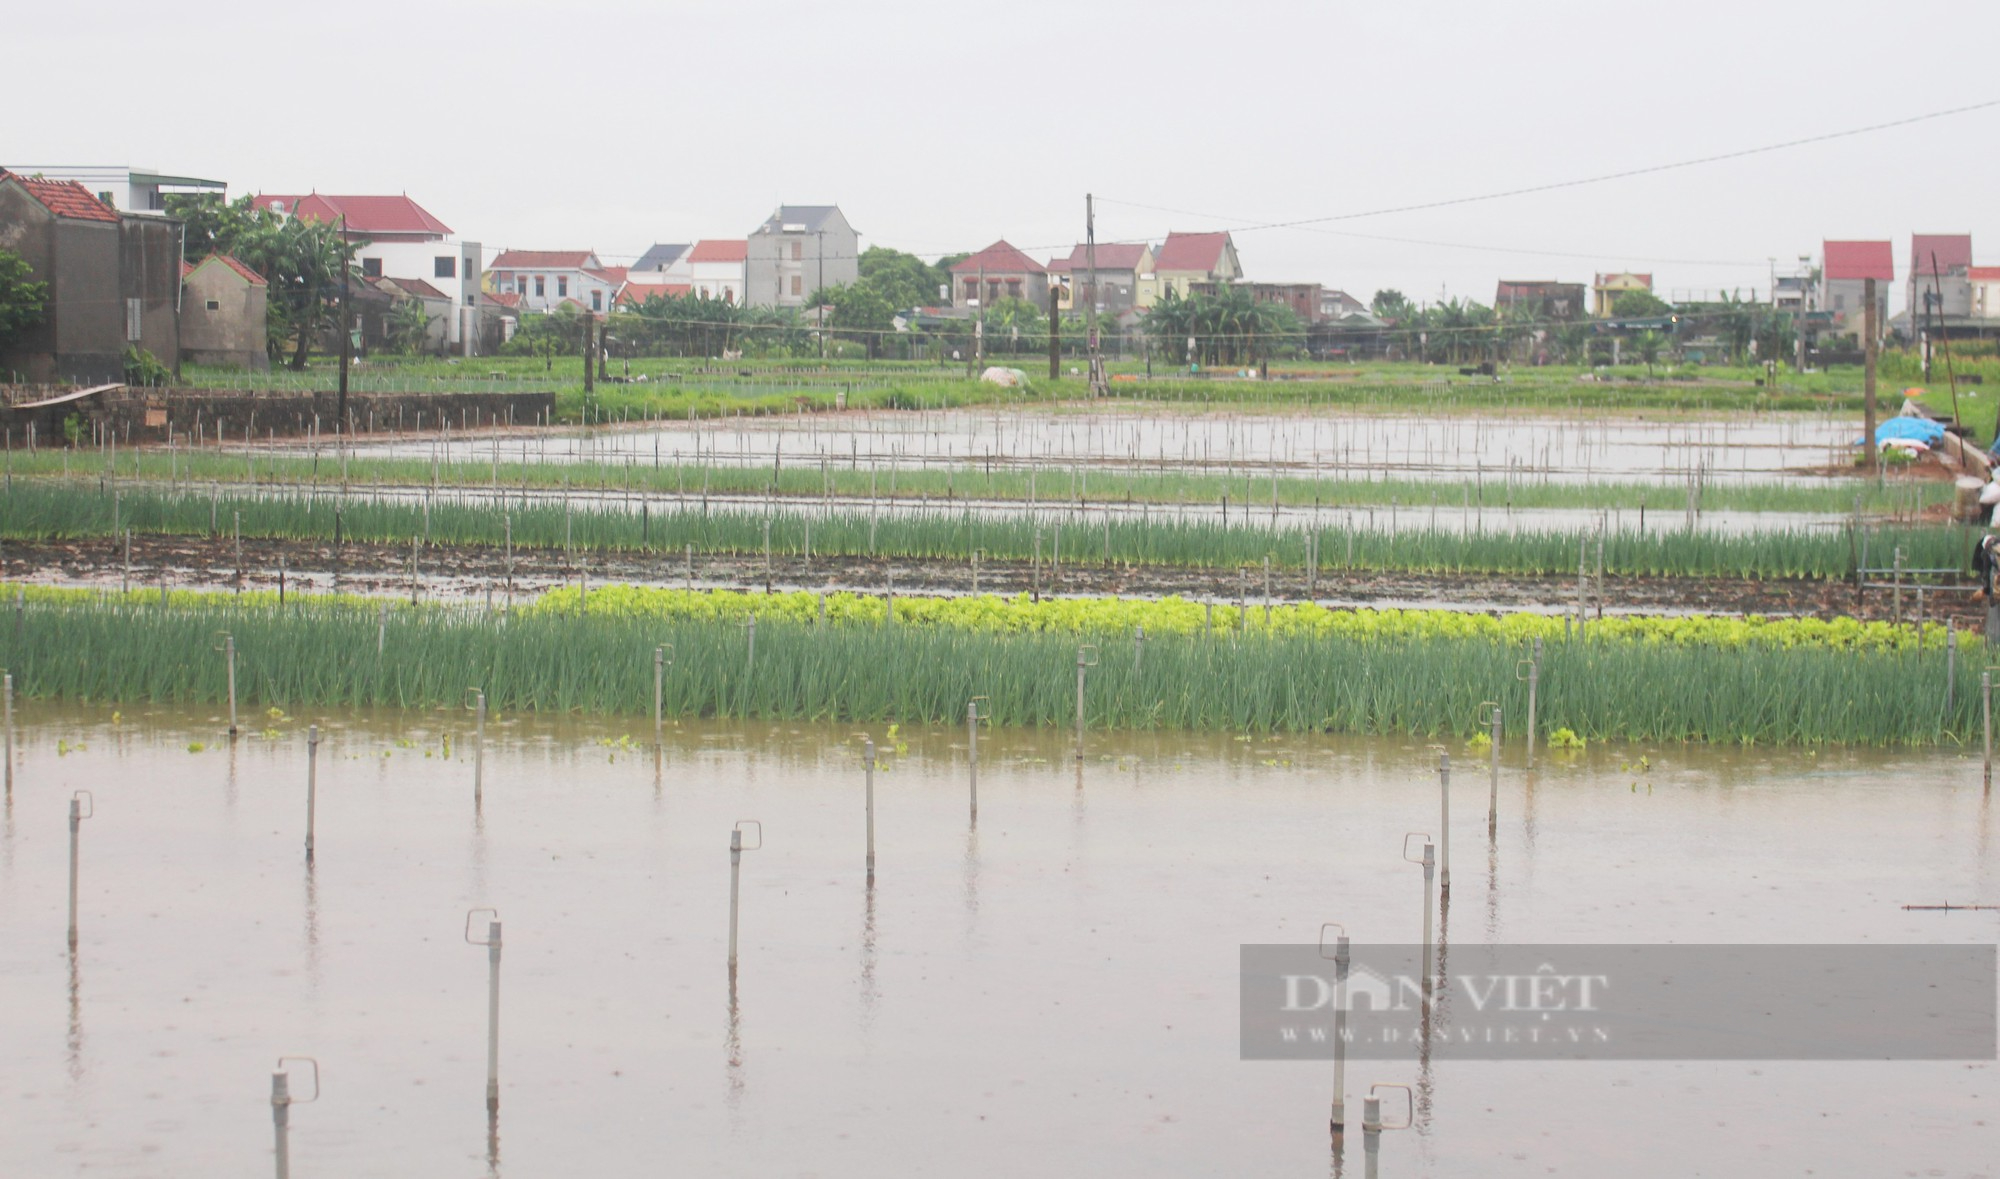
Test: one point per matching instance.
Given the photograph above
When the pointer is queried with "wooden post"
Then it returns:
(1055, 336)
(1868, 345)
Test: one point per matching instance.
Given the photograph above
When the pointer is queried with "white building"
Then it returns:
(715, 269)
(546, 279)
(127, 188)
(399, 239)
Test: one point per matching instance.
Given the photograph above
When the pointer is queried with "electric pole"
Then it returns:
(1055, 334)
(346, 338)
(1868, 347)
(1098, 385)
(819, 299)
(589, 369)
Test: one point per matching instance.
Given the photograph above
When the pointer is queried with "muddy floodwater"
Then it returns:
(1545, 447)
(1053, 992)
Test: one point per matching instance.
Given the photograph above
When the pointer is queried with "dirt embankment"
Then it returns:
(469, 572)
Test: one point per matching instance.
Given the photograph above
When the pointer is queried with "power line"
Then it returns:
(1624, 174)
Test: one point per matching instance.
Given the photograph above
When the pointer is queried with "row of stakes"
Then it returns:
(1434, 858)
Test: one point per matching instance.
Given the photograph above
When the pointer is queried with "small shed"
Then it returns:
(223, 314)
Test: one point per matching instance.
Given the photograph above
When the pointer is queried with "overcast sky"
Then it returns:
(939, 127)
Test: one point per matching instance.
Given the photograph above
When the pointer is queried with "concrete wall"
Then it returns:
(81, 338)
(407, 259)
(234, 331)
(149, 270)
(143, 415)
(771, 267)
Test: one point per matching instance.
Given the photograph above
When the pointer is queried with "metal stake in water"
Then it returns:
(1493, 787)
(736, 849)
(1986, 723)
(972, 718)
(81, 806)
(1444, 822)
(1950, 664)
(1372, 1124)
(868, 794)
(662, 656)
(478, 707)
(1534, 678)
(7, 692)
(312, 784)
(1338, 1121)
(282, 1102)
(492, 944)
(1429, 861)
(229, 661)
(1086, 657)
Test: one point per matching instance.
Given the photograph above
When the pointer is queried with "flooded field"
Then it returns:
(1548, 447)
(1052, 991)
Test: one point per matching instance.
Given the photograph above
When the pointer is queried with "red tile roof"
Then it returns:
(234, 263)
(543, 260)
(1953, 250)
(721, 250)
(64, 198)
(1112, 256)
(1189, 251)
(614, 274)
(504, 298)
(999, 258)
(1851, 260)
(639, 292)
(364, 214)
(1982, 273)
(417, 287)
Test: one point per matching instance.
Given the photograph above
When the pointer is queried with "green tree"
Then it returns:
(1640, 305)
(1391, 304)
(902, 280)
(860, 313)
(1649, 343)
(301, 261)
(22, 299)
(408, 326)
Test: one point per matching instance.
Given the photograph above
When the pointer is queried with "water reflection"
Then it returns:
(971, 876)
(73, 1042)
(869, 991)
(732, 1047)
(493, 1143)
(312, 932)
(1492, 885)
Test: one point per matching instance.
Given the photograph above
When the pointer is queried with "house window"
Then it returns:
(798, 250)
(371, 268)
(597, 300)
(798, 285)
(213, 305)
(729, 294)
(972, 289)
(562, 286)
(541, 292)
(1840, 302)
(444, 267)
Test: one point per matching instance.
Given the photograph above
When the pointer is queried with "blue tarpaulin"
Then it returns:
(1916, 429)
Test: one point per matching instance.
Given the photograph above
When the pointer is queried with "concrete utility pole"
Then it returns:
(819, 299)
(1869, 345)
(979, 328)
(589, 369)
(1098, 385)
(346, 339)
(1055, 335)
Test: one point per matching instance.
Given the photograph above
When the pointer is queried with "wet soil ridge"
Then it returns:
(325, 653)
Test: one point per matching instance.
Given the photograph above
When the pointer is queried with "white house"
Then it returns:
(715, 269)
(125, 187)
(546, 279)
(399, 239)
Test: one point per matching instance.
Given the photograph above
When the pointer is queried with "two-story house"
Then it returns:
(1939, 284)
(1187, 258)
(652, 267)
(546, 279)
(398, 238)
(1125, 278)
(798, 250)
(126, 188)
(1605, 289)
(716, 268)
(1845, 271)
(998, 272)
(114, 280)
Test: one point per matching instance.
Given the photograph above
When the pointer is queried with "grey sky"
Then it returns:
(939, 126)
